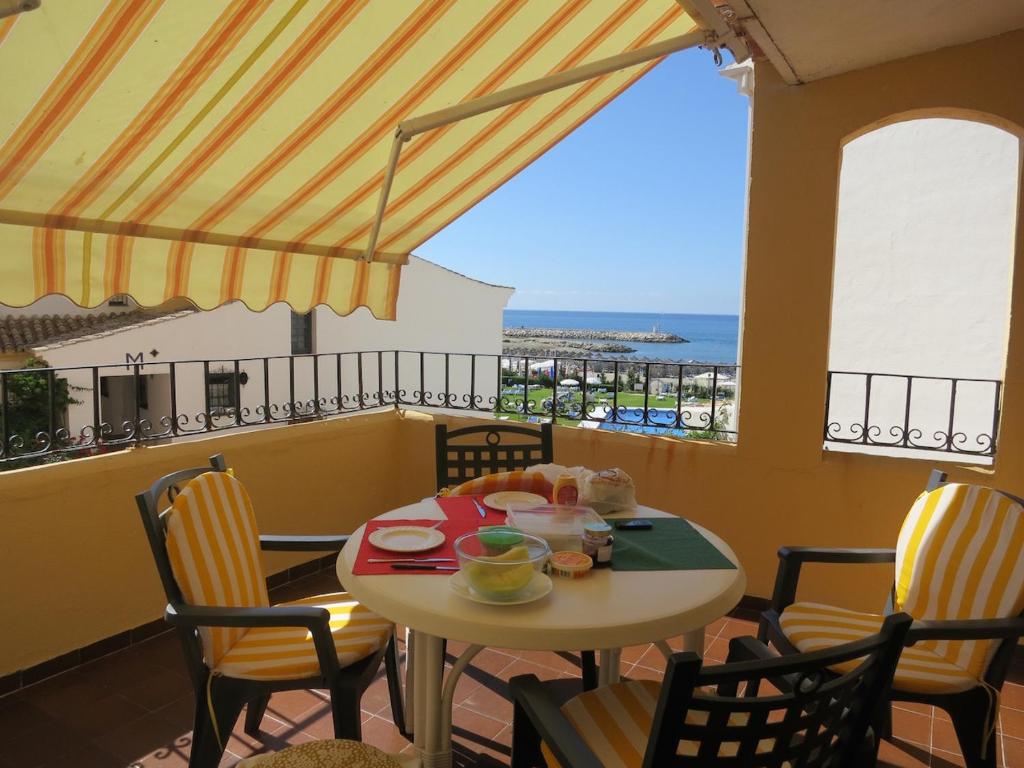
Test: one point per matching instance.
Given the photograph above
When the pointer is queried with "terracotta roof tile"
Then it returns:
(23, 333)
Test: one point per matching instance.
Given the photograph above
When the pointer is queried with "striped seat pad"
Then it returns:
(287, 653)
(615, 722)
(518, 480)
(813, 626)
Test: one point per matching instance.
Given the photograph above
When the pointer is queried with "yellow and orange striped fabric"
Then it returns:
(288, 653)
(213, 545)
(214, 548)
(236, 149)
(518, 480)
(813, 626)
(957, 557)
(615, 722)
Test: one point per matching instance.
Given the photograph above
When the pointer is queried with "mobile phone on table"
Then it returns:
(638, 524)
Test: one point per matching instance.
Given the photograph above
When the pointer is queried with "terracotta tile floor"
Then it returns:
(134, 708)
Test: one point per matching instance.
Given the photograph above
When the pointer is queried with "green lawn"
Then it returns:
(623, 400)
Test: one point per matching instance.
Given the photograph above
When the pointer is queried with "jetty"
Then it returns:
(642, 337)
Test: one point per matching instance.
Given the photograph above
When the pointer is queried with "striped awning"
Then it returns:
(236, 149)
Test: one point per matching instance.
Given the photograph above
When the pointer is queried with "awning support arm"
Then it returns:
(417, 125)
(385, 190)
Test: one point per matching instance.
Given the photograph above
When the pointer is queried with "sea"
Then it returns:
(712, 338)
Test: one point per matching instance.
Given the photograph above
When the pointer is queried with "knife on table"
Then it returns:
(422, 567)
(480, 509)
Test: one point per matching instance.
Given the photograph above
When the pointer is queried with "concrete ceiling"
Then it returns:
(811, 39)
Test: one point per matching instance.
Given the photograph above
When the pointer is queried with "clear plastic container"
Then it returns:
(504, 576)
(560, 526)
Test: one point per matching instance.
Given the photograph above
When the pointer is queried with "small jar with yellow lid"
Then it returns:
(566, 491)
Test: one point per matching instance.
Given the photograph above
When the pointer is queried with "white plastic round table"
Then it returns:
(604, 611)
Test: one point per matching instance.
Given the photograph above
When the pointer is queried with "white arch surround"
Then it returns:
(925, 232)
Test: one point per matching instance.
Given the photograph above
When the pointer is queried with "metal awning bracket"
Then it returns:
(417, 125)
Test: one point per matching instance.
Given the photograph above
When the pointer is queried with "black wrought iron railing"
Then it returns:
(926, 413)
(50, 413)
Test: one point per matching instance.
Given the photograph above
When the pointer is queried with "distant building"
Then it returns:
(438, 311)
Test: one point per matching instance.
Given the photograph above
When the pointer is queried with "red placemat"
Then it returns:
(462, 508)
(451, 529)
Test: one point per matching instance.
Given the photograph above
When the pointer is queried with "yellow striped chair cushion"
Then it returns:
(615, 722)
(959, 557)
(213, 546)
(812, 626)
(288, 653)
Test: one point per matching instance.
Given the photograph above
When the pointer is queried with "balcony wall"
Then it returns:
(75, 566)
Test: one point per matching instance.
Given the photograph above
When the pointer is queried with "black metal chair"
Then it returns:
(973, 707)
(697, 717)
(220, 697)
(459, 461)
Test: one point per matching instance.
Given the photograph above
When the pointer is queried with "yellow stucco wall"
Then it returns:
(780, 487)
(75, 567)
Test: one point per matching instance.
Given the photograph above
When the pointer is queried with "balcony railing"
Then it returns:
(49, 413)
(922, 413)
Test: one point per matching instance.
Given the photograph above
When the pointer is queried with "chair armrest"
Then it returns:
(749, 649)
(554, 728)
(752, 649)
(312, 617)
(966, 629)
(792, 558)
(303, 543)
(838, 554)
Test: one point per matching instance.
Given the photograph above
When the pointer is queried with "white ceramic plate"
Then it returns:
(502, 499)
(540, 585)
(406, 538)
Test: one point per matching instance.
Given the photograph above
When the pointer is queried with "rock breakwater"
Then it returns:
(555, 348)
(651, 337)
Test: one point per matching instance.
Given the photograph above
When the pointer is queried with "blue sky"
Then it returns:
(641, 209)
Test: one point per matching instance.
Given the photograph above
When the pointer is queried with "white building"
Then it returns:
(924, 248)
(237, 364)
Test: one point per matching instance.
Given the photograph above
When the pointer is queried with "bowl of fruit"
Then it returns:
(499, 574)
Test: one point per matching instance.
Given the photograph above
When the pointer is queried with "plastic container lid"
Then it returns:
(500, 537)
(551, 519)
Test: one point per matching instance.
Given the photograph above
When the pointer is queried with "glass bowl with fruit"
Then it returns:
(500, 573)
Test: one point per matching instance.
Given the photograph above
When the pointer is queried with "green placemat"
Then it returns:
(671, 545)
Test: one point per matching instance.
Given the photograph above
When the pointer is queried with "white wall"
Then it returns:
(924, 247)
(438, 311)
(224, 333)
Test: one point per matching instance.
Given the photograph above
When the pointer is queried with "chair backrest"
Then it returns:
(460, 457)
(152, 502)
(958, 556)
(819, 720)
(206, 546)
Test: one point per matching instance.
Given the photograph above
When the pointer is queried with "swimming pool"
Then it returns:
(627, 419)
